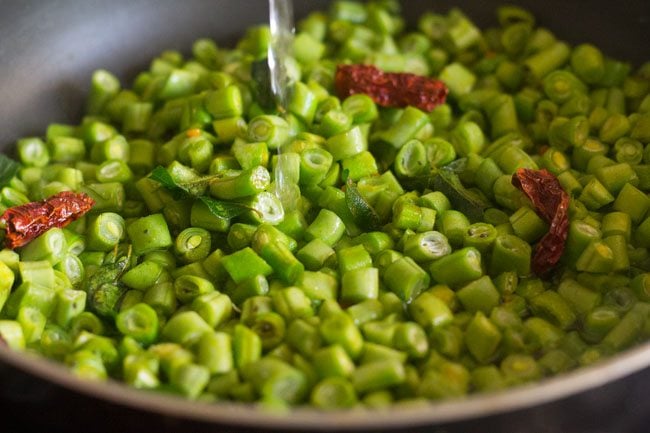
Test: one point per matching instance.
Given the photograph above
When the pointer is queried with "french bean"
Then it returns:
(378, 283)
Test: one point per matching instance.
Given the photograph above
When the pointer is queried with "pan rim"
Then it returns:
(552, 389)
(246, 415)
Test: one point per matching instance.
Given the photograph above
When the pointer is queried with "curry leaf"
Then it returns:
(162, 176)
(224, 209)
(218, 208)
(104, 289)
(363, 214)
(193, 188)
(261, 75)
(8, 169)
(446, 181)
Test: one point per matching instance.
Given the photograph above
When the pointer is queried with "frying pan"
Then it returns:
(48, 50)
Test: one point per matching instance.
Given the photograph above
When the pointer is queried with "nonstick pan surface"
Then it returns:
(48, 51)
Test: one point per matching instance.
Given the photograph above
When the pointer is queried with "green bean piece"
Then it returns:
(245, 264)
(314, 254)
(190, 379)
(510, 253)
(588, 63)
(55, 341)
(70, 303)
(276, 380)
(50, 246)
(314, 165)
(429, 311)
(564, 133)
(86, 365)
(411, 159)
(527, 225)
(628, 329)
(303, 337)
(189, 287)
(333, 361)
(599, 322)
(104, 87)
(405, 278)
(327, 226)
(581, 299)
(554, 308)
(185, 328)
(347, 144)
(479, 295)
(32, 322)
(139, 322)
(548, 59)
(378, 375)
(192, 244)
(361, 108)
(487, 378)
(641, 286)
(225, 102)
(292, 303)
(254, 286)
(614, 177)
(271, 328)
(411, 338)
(641, 128)
(482, 337)
(86, 321)
(240, 235)
(149, 233)
(33, 151)
(105, 232)
(340, 329)
(278, 255)
(377, 352)
(633, 202)
(214, 308)
(629, 151)
(459, 267)
(597, 257)
(130, 298)
(215, 352)
(560, 86)
(480, 236)
(618, 245)
(142, 276)
(104, 347)
(7, 278)
(518, 369)
(141, 371)
(333, 393)
(447, 380)
(247, 346)
(30, 295)
(426, 246)
(352, 258)
(374, 242)
(360, 284)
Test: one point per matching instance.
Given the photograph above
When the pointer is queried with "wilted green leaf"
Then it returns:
(364, 215)
(8, 169)
(224, 209)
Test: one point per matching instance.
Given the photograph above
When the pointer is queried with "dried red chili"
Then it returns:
(28, 221)
(390, 89)
(552, 204)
